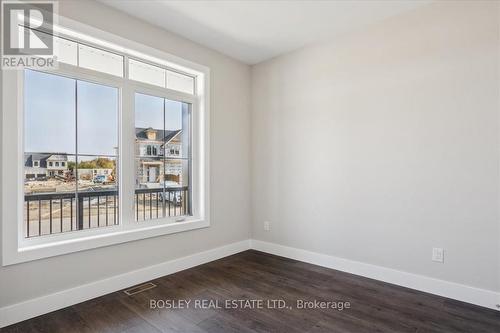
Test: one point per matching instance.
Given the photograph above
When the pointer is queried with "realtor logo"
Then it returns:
(27, 34)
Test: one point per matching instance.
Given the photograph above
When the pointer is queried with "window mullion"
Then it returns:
(127, 156)
(77, 204)
(164, 207)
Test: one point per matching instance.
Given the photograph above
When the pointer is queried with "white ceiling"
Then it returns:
(254, 31)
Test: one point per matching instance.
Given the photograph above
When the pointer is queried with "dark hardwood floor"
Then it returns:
(374, 306)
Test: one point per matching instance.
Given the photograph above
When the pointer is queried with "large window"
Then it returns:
(111, 143)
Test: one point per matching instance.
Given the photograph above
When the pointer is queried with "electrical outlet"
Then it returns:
(267, 226)
(438, 254)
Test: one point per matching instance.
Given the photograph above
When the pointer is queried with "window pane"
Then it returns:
(143, 72)
(49, 147)
(65, 50)
(149, 152)
(180, 82)
(99, 60)
(64, 192)
(162, 177)
(177, 125)
(97, 119)
(97, 151)
(49, 113)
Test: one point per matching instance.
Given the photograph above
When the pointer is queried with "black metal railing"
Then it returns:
(51, 213)
(153, 203)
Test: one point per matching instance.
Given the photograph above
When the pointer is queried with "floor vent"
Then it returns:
(139, 289)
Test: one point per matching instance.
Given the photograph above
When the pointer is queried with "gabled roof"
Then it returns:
(58, 156)
(42, 157)
(37, 156)
(161, 135)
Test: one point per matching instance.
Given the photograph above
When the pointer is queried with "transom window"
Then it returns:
(85, 56)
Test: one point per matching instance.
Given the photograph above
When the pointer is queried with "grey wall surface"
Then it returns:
(383, 144)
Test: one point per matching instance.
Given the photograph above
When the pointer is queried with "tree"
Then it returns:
(97, 163)
(105, 163)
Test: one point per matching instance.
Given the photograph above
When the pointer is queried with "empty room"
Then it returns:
(250, 166)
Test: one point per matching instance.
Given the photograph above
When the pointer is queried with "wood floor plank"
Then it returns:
(375, 306)
(222, 323)
(108, 316)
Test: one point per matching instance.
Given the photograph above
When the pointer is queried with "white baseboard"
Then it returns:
(21, 311)
(477, 296)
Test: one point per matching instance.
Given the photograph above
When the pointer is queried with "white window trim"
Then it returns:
(17, 249)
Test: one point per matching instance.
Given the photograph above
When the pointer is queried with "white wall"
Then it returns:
(230, 171)
(385, 143)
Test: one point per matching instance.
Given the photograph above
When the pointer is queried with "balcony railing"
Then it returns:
(153, 203)
(52, 213)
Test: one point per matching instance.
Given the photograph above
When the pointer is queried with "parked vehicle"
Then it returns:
(173, 196)
(173, 192)
(99, 179)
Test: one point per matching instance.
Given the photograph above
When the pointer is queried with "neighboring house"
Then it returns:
(149, 150)
(44, 165)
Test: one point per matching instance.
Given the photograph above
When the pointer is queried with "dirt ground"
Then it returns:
(56, 185)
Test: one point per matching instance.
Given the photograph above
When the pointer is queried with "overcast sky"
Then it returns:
(50, 115)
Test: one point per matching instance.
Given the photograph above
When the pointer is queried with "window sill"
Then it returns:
(54, 245)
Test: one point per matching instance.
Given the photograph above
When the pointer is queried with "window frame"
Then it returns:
(16, 248)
